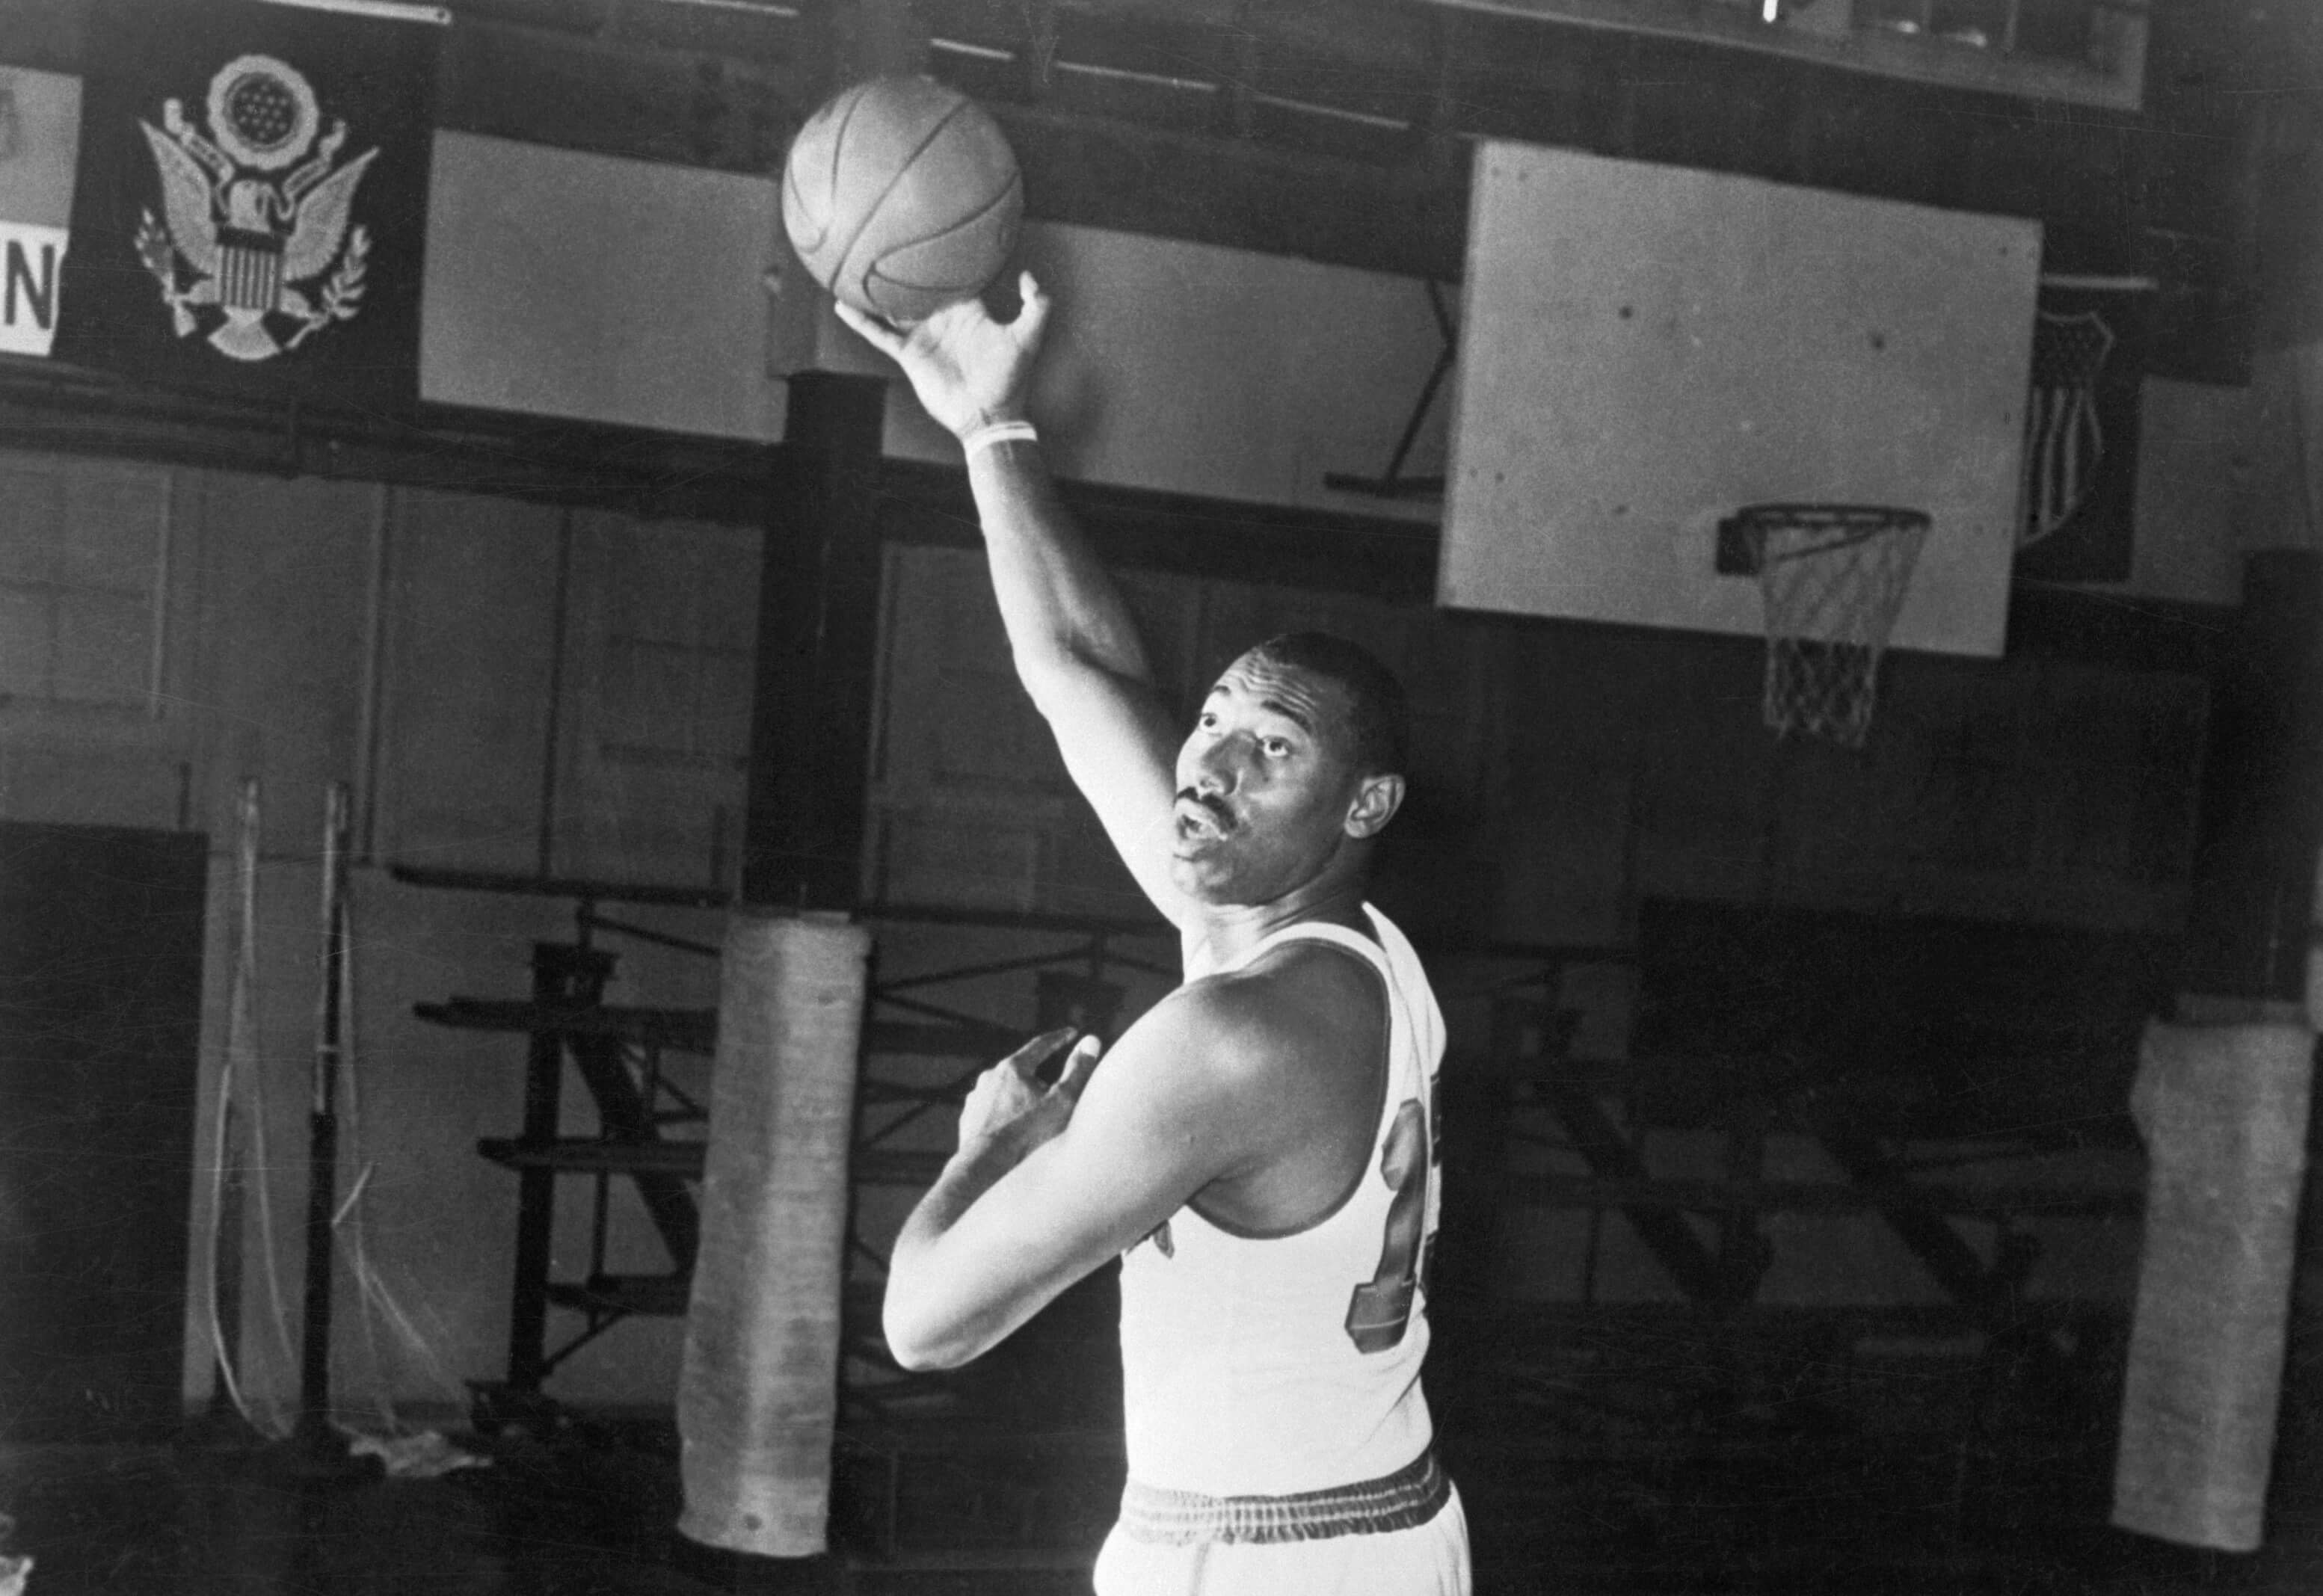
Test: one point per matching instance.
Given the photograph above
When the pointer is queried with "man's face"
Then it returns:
(1266, 783)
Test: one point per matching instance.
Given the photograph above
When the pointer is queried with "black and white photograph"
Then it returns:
(1161, 797)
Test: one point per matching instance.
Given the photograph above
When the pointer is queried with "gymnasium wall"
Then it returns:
(416, 643)
(518, 688)
(509, 687)
(513, 687)
(2225, 472)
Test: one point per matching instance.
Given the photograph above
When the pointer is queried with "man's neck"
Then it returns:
(1229, 931)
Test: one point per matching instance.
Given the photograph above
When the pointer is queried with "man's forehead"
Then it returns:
(1308, 694)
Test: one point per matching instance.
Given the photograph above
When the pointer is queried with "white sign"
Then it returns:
(31, 266)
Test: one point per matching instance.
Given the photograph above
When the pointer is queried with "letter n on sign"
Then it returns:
(32, 260)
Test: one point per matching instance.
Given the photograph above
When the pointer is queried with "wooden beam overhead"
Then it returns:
(1407, 219)
(871, 38)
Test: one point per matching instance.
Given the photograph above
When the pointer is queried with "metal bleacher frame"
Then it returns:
(1711, 1375)
(617, 1050)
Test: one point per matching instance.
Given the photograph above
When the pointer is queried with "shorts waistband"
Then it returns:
(1405, 1499)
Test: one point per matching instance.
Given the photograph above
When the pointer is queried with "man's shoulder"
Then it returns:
(1291, 1047)
(1300, 1002)
(1236, 1008)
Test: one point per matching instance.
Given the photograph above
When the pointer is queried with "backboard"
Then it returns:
(1646, 349)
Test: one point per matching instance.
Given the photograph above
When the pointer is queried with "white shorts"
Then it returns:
(1431, 1559)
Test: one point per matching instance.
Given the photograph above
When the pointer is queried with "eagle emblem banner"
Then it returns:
(251, 208)
(2078, 506)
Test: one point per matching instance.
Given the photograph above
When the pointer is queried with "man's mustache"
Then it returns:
(1210, 802)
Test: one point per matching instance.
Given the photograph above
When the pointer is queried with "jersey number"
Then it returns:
(1380, 1308)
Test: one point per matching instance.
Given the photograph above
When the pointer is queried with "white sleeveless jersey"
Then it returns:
(1273, 1364)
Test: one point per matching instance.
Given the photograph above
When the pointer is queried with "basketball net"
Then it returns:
(1833, 578)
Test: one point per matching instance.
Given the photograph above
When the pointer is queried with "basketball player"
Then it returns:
(1260, 1145)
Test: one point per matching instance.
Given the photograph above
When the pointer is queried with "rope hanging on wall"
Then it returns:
(239, 1152)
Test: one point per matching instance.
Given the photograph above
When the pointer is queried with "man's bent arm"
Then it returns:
(921, 1334)
(1008, 1227)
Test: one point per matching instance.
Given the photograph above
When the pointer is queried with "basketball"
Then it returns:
(902, 197)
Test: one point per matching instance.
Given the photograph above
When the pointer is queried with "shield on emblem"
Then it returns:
(2064, 436)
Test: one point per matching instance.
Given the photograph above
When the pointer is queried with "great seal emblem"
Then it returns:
(254, 243)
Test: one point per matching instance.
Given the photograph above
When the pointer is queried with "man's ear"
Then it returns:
(1376, 800)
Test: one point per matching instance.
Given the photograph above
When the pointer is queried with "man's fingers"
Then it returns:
(877, 333)
(1076, 1073)
(1035, 315)
(1027, 1060)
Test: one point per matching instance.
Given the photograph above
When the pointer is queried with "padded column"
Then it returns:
(2223, 1110)
(759, 1392)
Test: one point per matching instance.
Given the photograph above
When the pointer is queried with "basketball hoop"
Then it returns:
(1833, 577)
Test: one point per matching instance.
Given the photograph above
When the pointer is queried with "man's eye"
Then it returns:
(1208, 721)
(1275, 746)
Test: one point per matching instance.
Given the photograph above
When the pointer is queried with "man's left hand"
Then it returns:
(1009, 1105)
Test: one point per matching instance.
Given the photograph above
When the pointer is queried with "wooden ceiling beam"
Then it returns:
(1408, 219)
(549, 459)
(611, 97)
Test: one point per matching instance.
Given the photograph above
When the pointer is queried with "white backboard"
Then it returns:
(1646, 349)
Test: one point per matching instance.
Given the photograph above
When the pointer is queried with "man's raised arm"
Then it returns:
(1075, 647)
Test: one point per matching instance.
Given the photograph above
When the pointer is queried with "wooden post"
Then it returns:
(314, 1424)
(2247, 925)
(818, 640)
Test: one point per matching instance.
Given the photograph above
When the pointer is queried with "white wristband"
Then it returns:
(999, 432)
